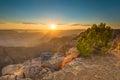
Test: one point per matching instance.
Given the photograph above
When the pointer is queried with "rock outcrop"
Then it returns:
(47, 67)
(116, 43)
(37, 68)
(70, 55)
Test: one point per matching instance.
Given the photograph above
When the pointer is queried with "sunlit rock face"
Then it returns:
(116, 43)
(116, 46)
(71, 54)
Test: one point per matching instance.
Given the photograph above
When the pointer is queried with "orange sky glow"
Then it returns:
(41, 26)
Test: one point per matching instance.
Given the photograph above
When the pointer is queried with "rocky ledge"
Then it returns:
(47, 67)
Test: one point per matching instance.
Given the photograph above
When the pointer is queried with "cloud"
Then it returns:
(77, 24)
(28, 23)
(85, 25)
(60, 24)
(2, 23)
(32, 23)
(19, 23)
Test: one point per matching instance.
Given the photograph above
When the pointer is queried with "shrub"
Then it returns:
(94, 39)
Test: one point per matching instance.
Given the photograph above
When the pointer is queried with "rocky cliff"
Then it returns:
(47, 67)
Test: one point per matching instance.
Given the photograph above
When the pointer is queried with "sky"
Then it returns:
(66, 14)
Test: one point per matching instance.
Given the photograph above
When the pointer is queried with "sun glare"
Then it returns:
(53, 26)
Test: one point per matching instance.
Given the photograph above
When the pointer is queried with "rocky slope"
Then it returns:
(13, 55)
(47, 67)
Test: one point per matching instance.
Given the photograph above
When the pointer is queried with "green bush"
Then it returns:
(94, 39)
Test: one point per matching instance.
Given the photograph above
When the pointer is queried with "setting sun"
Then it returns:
(52, 26)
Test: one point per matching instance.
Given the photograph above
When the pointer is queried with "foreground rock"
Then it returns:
(37, 68)
(70, 55)
(47, 67)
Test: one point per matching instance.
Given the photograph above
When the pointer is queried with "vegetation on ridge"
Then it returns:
(95, 39)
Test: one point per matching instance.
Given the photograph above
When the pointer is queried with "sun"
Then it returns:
(53, 27)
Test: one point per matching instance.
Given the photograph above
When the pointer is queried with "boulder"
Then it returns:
(70, 55)
(10, 69)
(53, 62)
